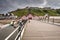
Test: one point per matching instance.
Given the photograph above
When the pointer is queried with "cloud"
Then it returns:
(9, 5)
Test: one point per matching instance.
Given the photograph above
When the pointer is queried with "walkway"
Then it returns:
(37, 30)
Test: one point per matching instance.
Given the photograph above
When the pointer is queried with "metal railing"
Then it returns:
(19, 29)
(52, 20)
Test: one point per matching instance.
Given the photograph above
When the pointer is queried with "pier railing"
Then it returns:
(18, 31)
(52, 20)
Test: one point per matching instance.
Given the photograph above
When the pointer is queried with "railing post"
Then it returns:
(48, 19)
(53, 20)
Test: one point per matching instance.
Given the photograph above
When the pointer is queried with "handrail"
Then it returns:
(19, 31)
(12, 33)
(17, 36)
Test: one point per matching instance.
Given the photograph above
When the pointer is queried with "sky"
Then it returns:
(10, 5)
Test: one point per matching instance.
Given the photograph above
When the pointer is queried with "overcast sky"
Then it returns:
(9, 5)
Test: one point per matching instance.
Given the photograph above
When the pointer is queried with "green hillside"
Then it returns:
(36, 11)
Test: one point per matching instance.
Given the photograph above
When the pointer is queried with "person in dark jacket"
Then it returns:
(20, 24)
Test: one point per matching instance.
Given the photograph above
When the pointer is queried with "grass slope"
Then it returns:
(36, 11)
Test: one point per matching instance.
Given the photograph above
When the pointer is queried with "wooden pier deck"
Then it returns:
(37, 30)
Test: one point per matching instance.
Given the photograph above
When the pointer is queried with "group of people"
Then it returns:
(45, 17)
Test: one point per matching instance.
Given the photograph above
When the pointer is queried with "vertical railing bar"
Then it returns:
(17, 35)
